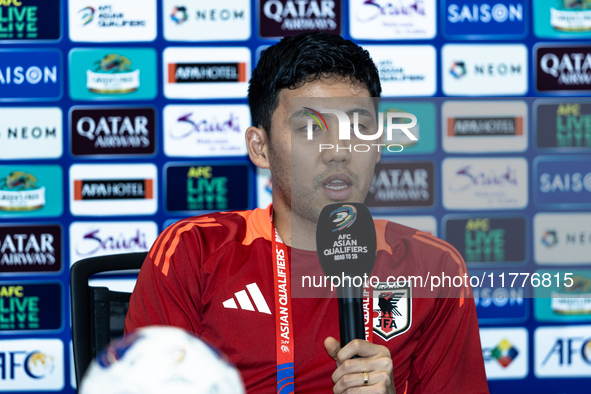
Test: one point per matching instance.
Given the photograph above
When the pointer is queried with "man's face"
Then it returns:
(306, 178)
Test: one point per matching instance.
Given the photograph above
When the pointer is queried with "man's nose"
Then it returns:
(333, 148)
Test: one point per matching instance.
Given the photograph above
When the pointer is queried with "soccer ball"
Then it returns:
(160, 359)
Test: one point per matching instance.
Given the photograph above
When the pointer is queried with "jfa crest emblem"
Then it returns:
(391, 307)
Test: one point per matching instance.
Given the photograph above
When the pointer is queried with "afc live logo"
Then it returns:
(564, 125)
(199, 187)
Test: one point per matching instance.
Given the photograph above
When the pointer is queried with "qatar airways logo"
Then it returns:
(316, 123)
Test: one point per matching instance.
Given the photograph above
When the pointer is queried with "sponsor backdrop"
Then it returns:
(119, 118)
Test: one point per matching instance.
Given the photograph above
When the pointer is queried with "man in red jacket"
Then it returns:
(223, 276)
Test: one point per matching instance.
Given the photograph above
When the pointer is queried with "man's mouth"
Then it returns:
(338, 186)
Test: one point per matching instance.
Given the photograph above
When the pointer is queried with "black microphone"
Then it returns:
(346, 246)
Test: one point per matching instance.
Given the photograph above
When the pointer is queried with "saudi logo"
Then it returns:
(317, 117)
(344, 217)
(504, 353)
(86, 14)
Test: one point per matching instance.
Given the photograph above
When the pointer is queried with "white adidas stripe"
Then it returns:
(258, 298)
(244, 300)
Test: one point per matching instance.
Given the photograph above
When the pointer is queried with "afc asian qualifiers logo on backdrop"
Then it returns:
(405, 70)
(388, 20)
(206, 20)
(391, 310)
(494, 19)
(112, 21)
(28, 20)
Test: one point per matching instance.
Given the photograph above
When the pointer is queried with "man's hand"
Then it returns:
(373, 359)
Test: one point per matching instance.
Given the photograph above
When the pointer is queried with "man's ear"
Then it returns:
(257, 144)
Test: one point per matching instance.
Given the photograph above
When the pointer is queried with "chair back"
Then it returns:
(98, 314)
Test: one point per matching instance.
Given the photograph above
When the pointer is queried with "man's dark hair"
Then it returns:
(303, 58)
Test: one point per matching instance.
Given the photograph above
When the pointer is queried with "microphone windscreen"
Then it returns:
(346, 240)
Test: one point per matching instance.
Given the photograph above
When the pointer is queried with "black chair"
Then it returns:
(98, 314)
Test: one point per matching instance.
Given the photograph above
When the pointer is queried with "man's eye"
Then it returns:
(362, 128)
